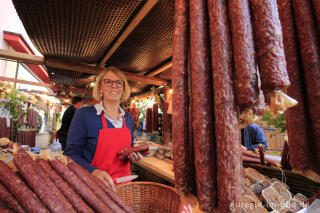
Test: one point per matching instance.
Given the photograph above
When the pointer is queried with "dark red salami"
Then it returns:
(284, 156)
(9, 200)
(316, 8)
(40, 183)
(20, 190)
(180, 100)
(84, 175)
(261, 153)
(113, 195)
(124, 153)
(79, 186)
(297, 118)
(4, 209)
(309, 50)
(202, 124)
(227, 128)
(268, 36)
(76, 201)
(246, 79)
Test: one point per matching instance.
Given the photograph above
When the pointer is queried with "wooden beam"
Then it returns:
(160, 69)
(72, 66)
(148, 94)
(96, 70)
(26, 82)
(22, 57)
(88, 92)
(79, 68)
(133, 24)
(145, 79)
(36, 92)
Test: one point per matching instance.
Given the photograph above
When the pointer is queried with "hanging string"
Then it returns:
(283, 176)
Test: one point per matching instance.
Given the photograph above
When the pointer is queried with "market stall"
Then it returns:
(199, 72)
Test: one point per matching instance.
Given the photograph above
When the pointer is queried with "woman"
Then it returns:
(97, 133)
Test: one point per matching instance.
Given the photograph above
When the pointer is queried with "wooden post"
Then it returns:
(54, 124)
(166, 134)
(16, 75)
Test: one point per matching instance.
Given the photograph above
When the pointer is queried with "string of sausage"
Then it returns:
(297, 118)
(10, 201)
(20, 190)
(246, 79)
(4, 209)
(268, 36)
(202, 110)
(79, 186)
(316, 9)
(285, 164)
(40, 183)
(77, 169)
(97, 186)
(143, 149)
(247, 156)
(227, 129)
(65, 188)
(309, 50)
(180, 101)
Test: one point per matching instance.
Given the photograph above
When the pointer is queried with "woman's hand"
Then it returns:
(187, 202)
(243, 148)
(185, 208)
(135, 156)
(105, 178)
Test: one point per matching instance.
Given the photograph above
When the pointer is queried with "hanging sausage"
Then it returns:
(227, 129)
(202, 110)
(245, 66)
(271, 57)
(309, 50)
(182, 161)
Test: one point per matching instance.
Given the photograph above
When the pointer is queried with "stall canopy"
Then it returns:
(78, 38)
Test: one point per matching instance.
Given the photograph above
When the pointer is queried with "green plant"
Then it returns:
(39, 123)
(278, 122)
(15, 104)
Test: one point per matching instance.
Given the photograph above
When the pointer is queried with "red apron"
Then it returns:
(110, 142)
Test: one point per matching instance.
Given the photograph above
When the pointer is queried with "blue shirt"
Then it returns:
(253, 135)
(83, 135)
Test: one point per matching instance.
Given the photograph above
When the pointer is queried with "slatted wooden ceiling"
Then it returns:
(150, 44)
(83, 31)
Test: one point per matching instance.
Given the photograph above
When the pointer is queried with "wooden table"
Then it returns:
(158, 167)
(162, 169)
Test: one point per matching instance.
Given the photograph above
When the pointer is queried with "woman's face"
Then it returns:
(111, 87)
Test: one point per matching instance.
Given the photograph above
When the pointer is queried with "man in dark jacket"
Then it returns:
(66, 120)
(253, 135)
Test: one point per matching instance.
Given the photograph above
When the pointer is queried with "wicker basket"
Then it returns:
(149, 197)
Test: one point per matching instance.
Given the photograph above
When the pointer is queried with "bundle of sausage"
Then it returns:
(155, 117)
(134, 112)
(32, 118)
(249, 156)
(300, 20)
(270, 53)
(124, 153)
(247, 73)
(149, 120)
(51, 186)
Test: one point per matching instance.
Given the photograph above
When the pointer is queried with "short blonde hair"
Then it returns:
(121, 76)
